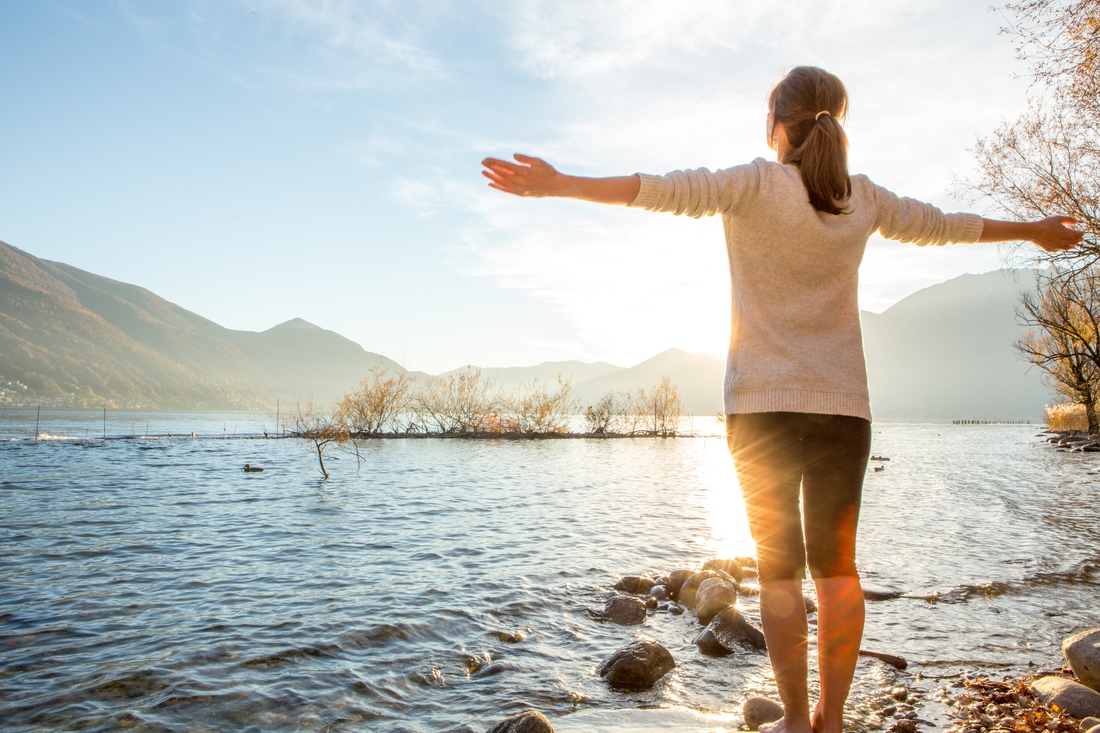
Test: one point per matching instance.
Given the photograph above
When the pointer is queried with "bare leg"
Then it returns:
(839, 632)
(783, 616)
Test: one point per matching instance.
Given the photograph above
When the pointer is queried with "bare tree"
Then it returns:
(1064, 341)
(321, 430)
(1047, 162)
(377, 404)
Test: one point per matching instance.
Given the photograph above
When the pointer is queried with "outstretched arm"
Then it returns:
(535, 177)
(1051, 234)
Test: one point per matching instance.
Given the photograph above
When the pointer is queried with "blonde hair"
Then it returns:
(810, 103)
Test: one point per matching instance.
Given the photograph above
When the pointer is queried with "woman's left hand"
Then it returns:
(530, 177)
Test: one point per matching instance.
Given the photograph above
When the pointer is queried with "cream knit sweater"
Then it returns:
(796, 344)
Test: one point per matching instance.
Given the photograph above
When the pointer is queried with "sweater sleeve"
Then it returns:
(908, 220)
(699, 192)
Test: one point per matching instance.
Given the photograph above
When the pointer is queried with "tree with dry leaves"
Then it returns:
(1064, 338)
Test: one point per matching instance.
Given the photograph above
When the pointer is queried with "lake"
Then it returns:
(149, 584)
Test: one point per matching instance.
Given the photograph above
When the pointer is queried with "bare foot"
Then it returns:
(787, 726)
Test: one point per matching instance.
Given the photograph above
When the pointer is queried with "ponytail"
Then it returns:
(810, 103)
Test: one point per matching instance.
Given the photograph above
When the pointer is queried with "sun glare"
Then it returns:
(729, 530)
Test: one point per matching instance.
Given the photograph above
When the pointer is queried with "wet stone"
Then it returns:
(730, 566)
(713, 600)
(623, 610)
(676, 581)
(1072, 697)
(691, 587)
(635, 584)
(638, 665)
(659, 592)
(528, 722)
(727, 631)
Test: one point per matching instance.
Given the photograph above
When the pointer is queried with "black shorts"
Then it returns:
(780, 455)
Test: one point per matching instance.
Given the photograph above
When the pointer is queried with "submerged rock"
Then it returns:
(878, 593)
(727, 631)
(1082, 651)
(635, 584)
(760, 710)
(892, 659)
(1073, 697)
(659, 592)
(676, 581)
(714, 599)
(623, 610)
(730, 566)
(528, 722)
(637, 665)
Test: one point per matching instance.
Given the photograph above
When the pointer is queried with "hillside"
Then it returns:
(64, 331)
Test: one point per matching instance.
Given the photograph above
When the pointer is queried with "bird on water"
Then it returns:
(249, 468)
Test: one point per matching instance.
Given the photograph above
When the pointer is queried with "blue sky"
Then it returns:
(255, 161)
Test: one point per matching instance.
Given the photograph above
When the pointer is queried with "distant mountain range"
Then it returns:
(72, 336)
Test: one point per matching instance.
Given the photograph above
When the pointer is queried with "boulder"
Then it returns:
(1093, 729)
(761, 710)
(1083, 654)
(691, 587)
(528, 722)
(623, 610)
(746, 561)
(731, 566)
(1089, 723)
(676, 580)
(712, 600)
(1072, 697)
(726, 632)
(659, 592)
(637, 665)
(635, 584)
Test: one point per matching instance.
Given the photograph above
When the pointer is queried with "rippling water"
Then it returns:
(150, 584)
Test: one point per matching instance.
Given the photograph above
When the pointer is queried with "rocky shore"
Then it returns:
(1065, 700)
(1077, 441)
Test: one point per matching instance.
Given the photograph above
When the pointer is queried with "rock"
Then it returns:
(1073, 697)
(878, 593)
(811, 607)
(726, 632)
(676, 609)
(528, 722)
(1082, 651)
(748, 572)
(1093, 729)
(730, 566)
(691, 587)
(676, 580)
(712, 600)
(891, 659)
(659, 592)
(637, 665)
(1089, 723)
(761, 710)
(622, 610)
(746, 561)
(635, 584)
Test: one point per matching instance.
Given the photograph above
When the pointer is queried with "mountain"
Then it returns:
(946, 352)
(75, 337)
(64, 331)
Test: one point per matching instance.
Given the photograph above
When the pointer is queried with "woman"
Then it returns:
(798, 414)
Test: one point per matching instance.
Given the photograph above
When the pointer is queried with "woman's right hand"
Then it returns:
(527, 177)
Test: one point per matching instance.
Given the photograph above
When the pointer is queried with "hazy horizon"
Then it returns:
(259, 161)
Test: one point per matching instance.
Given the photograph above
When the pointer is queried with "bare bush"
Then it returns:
(538, 412)
(659, 410)
(377, 404)
(608, 415)
(458, 404)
